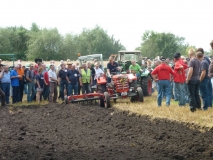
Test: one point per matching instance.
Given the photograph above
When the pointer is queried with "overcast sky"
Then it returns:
(127, 20)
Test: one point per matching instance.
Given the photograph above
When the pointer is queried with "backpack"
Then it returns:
(25, 75)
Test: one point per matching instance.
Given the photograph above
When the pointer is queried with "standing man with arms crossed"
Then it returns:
(163, 72)
(193, 81)
(53, 84)
(205, 84)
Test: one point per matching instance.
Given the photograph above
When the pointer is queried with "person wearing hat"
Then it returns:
(69, 65)
(30, 76)
(161, 74)
(193, 81)
(179, 79)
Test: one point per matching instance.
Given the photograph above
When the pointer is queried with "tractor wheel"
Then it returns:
(140, 94)
(102, 104)
(66, 99)
(146, 85)
(107, 100)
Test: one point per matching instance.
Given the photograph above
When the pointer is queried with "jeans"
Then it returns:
(46, 92)
(5, 87)
(186, 92)
(210, 93)
(86, 88)
(205, 93)
(15, 93)
(72, 87)
(21, 90)
(62, 84)
(194, 97)
(180, 91)
(25, 88)
(31, 91)
(164, 87)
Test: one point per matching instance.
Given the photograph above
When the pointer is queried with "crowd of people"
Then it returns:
(187, 81)
(183, 79)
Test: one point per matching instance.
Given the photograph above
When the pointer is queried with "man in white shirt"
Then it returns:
(53, 84)
(101, 88)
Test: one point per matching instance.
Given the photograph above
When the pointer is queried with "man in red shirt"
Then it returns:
(163, 72)
(46, 86)
(180, 78)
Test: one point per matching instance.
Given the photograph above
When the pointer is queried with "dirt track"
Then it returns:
(90, 132)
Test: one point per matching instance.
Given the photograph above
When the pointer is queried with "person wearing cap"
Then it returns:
(15, 83)
(179, 79)
(20, 72)
(62, 80)
(193, 81)
(30, 76)
(85, 79)
(53, 84)
(161, 74)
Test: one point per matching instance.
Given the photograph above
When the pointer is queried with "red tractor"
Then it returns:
(121, 86)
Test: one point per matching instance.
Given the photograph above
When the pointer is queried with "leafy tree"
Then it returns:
(161, 44)
(45, 44)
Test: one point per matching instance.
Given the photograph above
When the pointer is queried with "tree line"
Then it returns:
(48, 44)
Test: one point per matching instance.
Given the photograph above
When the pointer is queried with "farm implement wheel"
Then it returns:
(107, 100)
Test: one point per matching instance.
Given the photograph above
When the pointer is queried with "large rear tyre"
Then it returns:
(107, 100)
(140, 94)
(146, 85)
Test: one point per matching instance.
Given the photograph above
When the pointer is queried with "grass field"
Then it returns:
(202, 120)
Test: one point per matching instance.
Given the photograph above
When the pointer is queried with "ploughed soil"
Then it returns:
(74, 131)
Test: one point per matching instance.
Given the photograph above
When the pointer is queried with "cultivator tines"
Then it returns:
(83, 98)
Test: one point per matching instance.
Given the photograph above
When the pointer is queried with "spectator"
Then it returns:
(179, 79)
(0, 61)
(112, 67)
(53, 84)
(25, 85)
(163, 72)
(46, 89)
(5, 87)
(30, 76)
(40, 83)
(202, 51)
(205, 83)
(15, 83)
(193, 81)
(62, 80)
(73, 80)
(20, 72)
(69, 65)
(85, 79)
(92, 72)
(210, 74)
